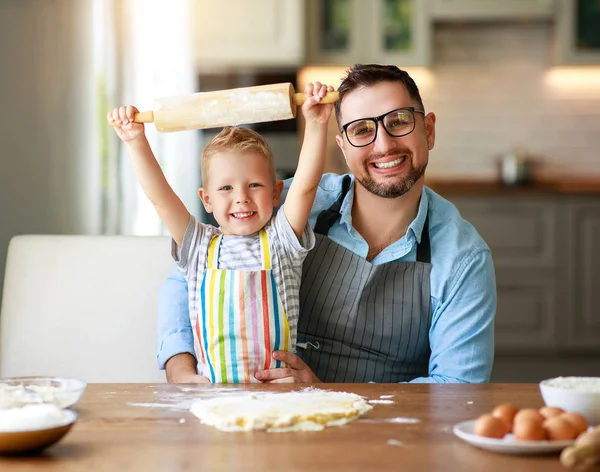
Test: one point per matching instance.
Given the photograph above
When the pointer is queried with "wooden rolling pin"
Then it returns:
(226, 108)
(586, 450)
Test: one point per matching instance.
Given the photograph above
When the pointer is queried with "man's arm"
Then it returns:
(175, 336)
(462, 330)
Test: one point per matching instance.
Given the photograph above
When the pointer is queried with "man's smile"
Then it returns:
(390, 164)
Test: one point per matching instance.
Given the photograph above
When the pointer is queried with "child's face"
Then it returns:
(240, 192)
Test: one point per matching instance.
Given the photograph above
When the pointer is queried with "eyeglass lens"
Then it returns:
(397, 123)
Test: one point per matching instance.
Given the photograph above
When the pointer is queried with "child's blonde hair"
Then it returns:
(236, 139)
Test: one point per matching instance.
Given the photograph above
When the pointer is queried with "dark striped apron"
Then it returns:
(362, 322)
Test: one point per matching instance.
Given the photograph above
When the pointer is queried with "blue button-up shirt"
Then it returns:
(463, 286)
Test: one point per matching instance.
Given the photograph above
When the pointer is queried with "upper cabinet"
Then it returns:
(491, 10)
(578, 31)
(245, 33)
(375, 31)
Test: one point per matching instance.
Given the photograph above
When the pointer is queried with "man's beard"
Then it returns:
(393, 189)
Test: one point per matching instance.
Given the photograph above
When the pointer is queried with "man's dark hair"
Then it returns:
(365, 75)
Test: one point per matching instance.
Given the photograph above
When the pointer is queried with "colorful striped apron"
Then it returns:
(241, 319)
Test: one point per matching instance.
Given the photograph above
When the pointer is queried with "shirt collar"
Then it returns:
(415, 228)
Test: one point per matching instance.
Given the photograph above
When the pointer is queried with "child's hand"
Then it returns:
(128, 129)
(312, 109)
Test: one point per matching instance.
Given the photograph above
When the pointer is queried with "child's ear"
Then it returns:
(277, 189)
(203, 194)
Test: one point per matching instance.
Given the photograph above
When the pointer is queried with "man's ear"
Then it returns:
(430, 130)
(277, 189)
(339, 139)
(203, 194)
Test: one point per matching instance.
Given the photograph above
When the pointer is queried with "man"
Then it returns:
(399, 288)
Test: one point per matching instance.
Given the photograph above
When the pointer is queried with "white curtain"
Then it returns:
(144, 51)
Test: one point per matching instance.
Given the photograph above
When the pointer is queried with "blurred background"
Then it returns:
(515, 85)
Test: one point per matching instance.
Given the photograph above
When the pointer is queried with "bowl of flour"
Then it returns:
(20, 391)
(33, 427)
(574, 394)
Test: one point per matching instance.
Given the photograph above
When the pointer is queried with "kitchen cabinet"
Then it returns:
(375, 31)
(546, 252)
(492, 10)
(578, 32)
(523, 237)
(242, 33)
(583, 276)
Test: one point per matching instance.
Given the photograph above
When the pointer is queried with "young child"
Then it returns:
(243, 277)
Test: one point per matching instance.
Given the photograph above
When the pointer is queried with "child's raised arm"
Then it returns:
(169, 207)
(311, 163)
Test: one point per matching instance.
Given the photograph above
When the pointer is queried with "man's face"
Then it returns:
(389, 166)
(240, 192)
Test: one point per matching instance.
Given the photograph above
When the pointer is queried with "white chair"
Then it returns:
(83, 307)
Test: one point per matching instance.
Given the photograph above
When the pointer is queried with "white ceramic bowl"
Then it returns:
(574, 394)
(16, 391)
(34, 427)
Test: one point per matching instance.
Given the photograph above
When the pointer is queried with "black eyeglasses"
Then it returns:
(396, 123)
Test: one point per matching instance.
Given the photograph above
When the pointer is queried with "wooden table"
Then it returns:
(144, 427)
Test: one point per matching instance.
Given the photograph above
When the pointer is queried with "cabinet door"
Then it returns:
(400, 33)
(583, 276)
(375, 31)
(578, 32)
(527, 311)
(336, 31)
(239, 32)
(521, 232)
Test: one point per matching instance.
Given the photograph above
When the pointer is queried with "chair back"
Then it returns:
(83, 307)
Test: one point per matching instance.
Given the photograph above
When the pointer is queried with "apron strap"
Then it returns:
(424, 248)
(327, 218)
(265, 251)
(213, 252)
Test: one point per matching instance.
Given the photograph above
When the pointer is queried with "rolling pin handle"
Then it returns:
(331, 97)
(144, 117)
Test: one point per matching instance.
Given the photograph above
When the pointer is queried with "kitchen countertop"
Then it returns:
(466, 187)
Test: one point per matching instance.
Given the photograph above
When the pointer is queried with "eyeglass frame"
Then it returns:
(380, 118)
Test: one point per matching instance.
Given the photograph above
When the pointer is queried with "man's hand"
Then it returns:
(296, 372)
(181, 368)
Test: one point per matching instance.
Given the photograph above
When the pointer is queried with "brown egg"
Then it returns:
(550, 411)
(506, 412)
(490, 427)
(529, 414)
(578, 421)
(559, 429)
(527, 429)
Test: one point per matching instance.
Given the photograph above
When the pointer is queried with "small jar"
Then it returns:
(514, 169)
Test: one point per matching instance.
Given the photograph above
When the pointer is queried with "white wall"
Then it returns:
(48, 176)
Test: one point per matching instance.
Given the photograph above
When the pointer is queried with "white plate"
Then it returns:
(508, 444)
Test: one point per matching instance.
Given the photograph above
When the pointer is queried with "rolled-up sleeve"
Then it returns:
(462, 331)
(175, 334)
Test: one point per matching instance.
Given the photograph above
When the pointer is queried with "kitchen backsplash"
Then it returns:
(494, 89)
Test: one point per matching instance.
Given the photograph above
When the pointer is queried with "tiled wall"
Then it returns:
(495, 88)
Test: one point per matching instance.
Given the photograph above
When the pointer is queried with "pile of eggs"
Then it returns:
(529, 424)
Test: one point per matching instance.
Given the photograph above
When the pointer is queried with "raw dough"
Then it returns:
(306, 410)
